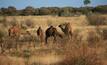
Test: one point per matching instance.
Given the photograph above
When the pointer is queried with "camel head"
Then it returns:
(65, 27)
(62, 26)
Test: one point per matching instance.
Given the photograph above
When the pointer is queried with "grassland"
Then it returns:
(87, 47)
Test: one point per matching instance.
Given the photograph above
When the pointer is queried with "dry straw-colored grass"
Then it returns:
(73, 52)
(97, 19)
(84, 54)
(7, 60)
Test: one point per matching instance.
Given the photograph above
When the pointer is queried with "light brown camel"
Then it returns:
(67, 29)
(14, 31)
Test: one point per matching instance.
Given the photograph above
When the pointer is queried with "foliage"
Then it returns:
(100, 9)
(26, 53)
(86, 2)
(54, 11)
(86, 10)
(44, 11)
(1, 34)
(12, 10)
(29, 11)
(105, 34)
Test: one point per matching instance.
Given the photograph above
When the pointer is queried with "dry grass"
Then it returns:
(92, 51)
(7, 60)
(97, 19)
(84, 54)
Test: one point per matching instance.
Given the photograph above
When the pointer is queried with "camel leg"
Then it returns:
(46, 39)
(70, 35)
(54, 38)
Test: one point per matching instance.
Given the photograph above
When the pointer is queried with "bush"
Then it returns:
(101, 9)
(105, 34)
(93, 38)
(14, 22)
(1, 34)
(29, 23)
(96, 20)
(49, 22)
(1, 37)
(3, 21)
(81, 55)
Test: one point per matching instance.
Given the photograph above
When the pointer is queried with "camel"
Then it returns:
(40, 34)
(66, 28)
(52, 31)
(13, 31)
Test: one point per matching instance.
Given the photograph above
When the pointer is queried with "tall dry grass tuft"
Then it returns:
(7, 60)
(105, 34)
(81, 55)
(97, 20)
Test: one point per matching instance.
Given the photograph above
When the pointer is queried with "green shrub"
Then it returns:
(101, 9)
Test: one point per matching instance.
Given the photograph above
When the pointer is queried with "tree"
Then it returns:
(54, 10)
(44, 11)
(29, 10)
(4, 11)
(12, 10)
(0, 12)
(86, 10)
(36, 11)
(100, 9)
(67, 11)
(86, 2)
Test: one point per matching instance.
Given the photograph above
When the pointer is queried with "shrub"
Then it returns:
(29, 23)
(1, 35)
(81, 55)
(101, 9)
(105, 34)
(93, 38)
(14, 22)
(96, 20)
(49, 22)
(3, 21)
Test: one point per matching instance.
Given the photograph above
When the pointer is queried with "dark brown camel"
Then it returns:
(52, 31)
(67, 29)
(40, 34)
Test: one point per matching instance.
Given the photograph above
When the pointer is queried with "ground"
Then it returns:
(61, 52)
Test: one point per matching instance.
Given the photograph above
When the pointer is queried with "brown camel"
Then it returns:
(67, 29)
(40, 34)
(51, 31)
(13, 31)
